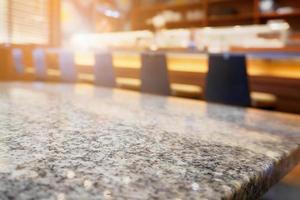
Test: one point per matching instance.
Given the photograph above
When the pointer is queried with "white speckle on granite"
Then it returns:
(88, 184)
(195, 186)
(71, 142)
(70, 174)
(61, 196)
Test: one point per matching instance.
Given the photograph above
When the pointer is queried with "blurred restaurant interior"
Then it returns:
(242, 55)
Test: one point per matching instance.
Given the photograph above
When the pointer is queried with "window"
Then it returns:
(3, 21)
(23, 22)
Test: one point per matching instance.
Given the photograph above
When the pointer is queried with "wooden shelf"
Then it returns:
(231, 17)
(278, 15)
(247, 13)
(185, 24)
(179, 24)
(178, 6)
(221, 1)
(144, 13)
(286, 49)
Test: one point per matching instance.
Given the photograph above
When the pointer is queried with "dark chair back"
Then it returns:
(104, 70)
(67, 66)
(18, 60)
(227, 80)
(39, 61)
(154, 74)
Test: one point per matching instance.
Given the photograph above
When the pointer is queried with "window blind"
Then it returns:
(25, 21)
(3, 21)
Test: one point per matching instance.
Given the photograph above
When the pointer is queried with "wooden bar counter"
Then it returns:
(187, 71)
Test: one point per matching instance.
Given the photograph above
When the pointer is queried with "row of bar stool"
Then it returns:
(103, 69)
(226, 81)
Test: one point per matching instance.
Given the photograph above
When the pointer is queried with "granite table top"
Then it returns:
(80, 142)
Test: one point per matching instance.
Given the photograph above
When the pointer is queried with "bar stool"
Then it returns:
(67, 66)
(18, 60)
(227, 82)
(39, 62)
(104, 70)
(154, 74)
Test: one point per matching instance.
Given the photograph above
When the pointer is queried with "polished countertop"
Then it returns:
(60, 141)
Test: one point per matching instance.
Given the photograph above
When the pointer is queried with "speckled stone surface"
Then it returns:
(64, 142)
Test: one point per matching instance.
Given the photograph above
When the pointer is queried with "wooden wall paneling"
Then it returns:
(9, 65)
(127, 73)
(286, 90)
(53, 70)
(85, 73)
(4, 67)
(289, 105)
(284, 87)
(29, 74)
(189, 78)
